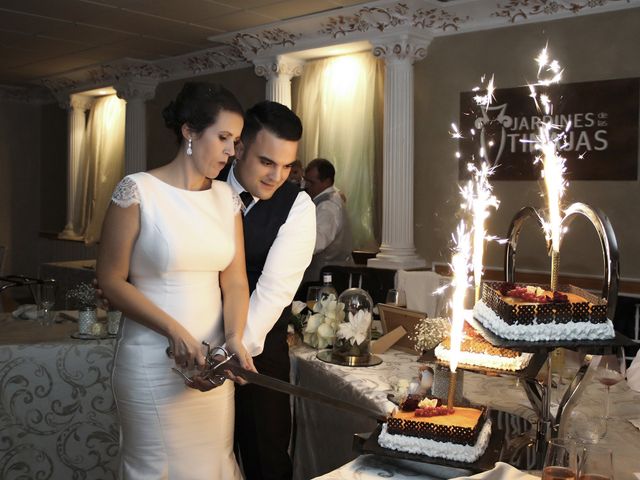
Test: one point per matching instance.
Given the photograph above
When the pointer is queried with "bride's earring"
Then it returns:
(189, 149)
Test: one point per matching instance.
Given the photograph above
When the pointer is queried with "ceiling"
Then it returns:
(41, 38)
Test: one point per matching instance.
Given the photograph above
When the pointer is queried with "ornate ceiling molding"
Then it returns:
(352, 24)
(516, 10)
(366, 19)
(251, 44)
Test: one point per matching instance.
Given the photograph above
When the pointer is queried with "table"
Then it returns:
(323, 436)
(57, 412)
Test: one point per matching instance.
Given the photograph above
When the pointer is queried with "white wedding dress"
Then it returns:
(170, 431)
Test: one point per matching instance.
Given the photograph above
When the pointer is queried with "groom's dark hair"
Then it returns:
(274, 117)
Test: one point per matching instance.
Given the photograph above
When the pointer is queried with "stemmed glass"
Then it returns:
(47, 299)
(595, 463)
(560, 460)
(611, 370)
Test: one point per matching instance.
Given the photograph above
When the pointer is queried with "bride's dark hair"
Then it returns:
(198, 105)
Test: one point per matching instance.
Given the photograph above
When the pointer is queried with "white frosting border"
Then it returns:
(433, 448)
(542, 331)
(485, 360)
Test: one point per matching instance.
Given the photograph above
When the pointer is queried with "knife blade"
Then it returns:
(303, 392)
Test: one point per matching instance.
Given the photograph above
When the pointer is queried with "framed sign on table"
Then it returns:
(392, 316)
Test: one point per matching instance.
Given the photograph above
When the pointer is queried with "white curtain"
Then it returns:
(101, 165)
(336, 104)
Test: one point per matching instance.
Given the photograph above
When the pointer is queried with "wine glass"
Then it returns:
(595, 463)
(47, 299)
(560, 460)
(610, 371)
(396, 297)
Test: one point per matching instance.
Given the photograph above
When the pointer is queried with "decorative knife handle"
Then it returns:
(215, 358)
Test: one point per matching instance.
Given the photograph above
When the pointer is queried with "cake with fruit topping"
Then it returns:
(533, 313)
(427, 428)
(475, 350)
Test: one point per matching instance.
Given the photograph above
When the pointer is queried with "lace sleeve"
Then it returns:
(237, 203)
(126, 193)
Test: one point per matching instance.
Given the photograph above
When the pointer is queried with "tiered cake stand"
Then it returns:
(539, 392)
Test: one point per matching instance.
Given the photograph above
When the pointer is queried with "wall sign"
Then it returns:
(601, 145)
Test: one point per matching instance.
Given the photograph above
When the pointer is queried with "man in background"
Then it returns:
(334, 242)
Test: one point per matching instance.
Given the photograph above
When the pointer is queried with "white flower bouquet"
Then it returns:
(322, 324)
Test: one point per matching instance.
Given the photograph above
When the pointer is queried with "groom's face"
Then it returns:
(265, 165)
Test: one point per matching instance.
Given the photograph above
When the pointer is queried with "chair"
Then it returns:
(376, 281)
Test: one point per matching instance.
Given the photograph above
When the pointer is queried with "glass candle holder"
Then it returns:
(353, 336)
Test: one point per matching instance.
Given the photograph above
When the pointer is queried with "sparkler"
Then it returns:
(548, 142)
(460, 267)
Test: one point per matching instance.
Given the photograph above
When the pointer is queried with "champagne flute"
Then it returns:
(610, 371)
(595, 463)
(47, 299)
(560, 460)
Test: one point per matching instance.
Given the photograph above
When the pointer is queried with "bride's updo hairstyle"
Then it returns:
(198, 105)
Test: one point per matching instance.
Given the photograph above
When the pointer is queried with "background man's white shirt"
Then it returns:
(328, 220)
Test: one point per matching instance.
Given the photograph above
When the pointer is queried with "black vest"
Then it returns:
(261, 226)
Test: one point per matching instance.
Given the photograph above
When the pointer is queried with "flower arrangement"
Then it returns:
(322, 324)
(297, 322)
(82, 296)
(356, 329)
(429, 332)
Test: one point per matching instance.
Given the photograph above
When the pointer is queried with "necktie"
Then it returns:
(246, 198)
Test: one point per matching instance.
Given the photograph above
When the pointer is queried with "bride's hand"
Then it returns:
(186, 351)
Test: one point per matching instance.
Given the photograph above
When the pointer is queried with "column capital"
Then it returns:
(80, 102)
(401, 47)
(277, 66)
(136, 89)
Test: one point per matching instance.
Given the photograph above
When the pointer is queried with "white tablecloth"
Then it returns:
(57, 413)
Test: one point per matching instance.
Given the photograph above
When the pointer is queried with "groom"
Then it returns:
(279, 236)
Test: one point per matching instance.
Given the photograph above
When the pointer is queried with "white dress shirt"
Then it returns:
(328, 219)
(288, 258)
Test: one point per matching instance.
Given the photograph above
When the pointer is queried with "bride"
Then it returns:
(171, 251)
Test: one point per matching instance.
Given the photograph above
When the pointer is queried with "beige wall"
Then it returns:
(161, 147)
(19, 183)
(32, 181)
(594, 47)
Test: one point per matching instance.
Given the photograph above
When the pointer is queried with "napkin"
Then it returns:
(502, 471)
(633, 374)
(25, 312)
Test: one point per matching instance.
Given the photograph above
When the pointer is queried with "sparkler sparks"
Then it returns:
(478, 199)
(477, 193)
(548, 142)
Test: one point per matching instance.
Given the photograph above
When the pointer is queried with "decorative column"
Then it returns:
(278, 71)
(399, 52)
(135, 93)
(76, 106)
